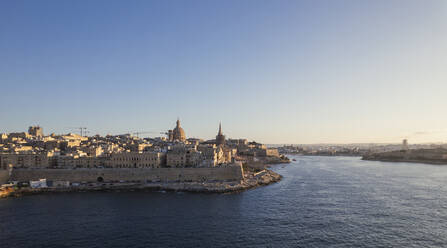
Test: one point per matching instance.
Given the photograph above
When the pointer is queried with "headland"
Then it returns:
(31, 163)
(427, 156)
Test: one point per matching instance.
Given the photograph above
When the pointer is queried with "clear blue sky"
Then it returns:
(274, 71)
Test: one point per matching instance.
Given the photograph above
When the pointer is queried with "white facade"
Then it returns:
(42, 183)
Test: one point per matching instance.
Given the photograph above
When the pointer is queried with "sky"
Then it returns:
(335, 71)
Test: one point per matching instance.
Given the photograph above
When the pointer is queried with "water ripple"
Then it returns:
(321, 202)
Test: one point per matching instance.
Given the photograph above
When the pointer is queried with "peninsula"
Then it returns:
(31, 162)
(428, 156)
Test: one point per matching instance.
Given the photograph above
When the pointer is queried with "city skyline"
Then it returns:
(275, 72)
(166, 133)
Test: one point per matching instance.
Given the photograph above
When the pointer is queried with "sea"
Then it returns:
(321, 202)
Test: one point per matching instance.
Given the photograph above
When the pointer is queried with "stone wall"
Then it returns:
(228, 173)
(4, 176)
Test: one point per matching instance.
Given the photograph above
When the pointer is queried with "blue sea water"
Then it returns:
(321, 202)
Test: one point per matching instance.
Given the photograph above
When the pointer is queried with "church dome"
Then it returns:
(178, 133)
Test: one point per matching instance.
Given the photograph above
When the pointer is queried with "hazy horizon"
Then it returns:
(278, 72)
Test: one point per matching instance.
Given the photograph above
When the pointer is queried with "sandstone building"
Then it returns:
(72, 151)
(177, 134)
(35, 131)
(135, 160)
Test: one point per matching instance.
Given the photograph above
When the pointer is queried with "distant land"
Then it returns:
(368, 150)
(428, 156)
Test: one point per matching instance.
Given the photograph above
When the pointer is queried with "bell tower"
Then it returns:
(220, 138)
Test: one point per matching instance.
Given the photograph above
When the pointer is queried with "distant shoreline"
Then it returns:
(432, 162)
(423, 156)
(325, 155)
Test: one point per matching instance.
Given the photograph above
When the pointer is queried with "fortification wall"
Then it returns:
(127, 174)
(4, 176)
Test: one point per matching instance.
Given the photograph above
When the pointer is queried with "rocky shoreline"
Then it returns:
(251, 180)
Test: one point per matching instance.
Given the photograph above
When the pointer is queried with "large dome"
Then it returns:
(178, 133)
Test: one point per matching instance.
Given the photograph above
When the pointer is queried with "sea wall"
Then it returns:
(227, 173)
(4, 176)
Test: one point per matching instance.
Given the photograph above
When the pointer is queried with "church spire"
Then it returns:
(220, 138)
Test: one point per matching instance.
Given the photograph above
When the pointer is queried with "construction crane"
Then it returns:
(82, 130)
(138, 133)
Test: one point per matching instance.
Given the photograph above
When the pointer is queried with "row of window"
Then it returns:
(137, 166)
(135, 159)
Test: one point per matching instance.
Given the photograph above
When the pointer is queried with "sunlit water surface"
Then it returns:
(321, 202)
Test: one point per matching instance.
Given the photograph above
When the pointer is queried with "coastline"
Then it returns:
(431, 162)
(251, 181)
(424, 156)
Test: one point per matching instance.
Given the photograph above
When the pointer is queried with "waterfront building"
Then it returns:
(24, 160)
(183, 156)
(136, 160)
(210, 154)
(78, 161)
(214, 155)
